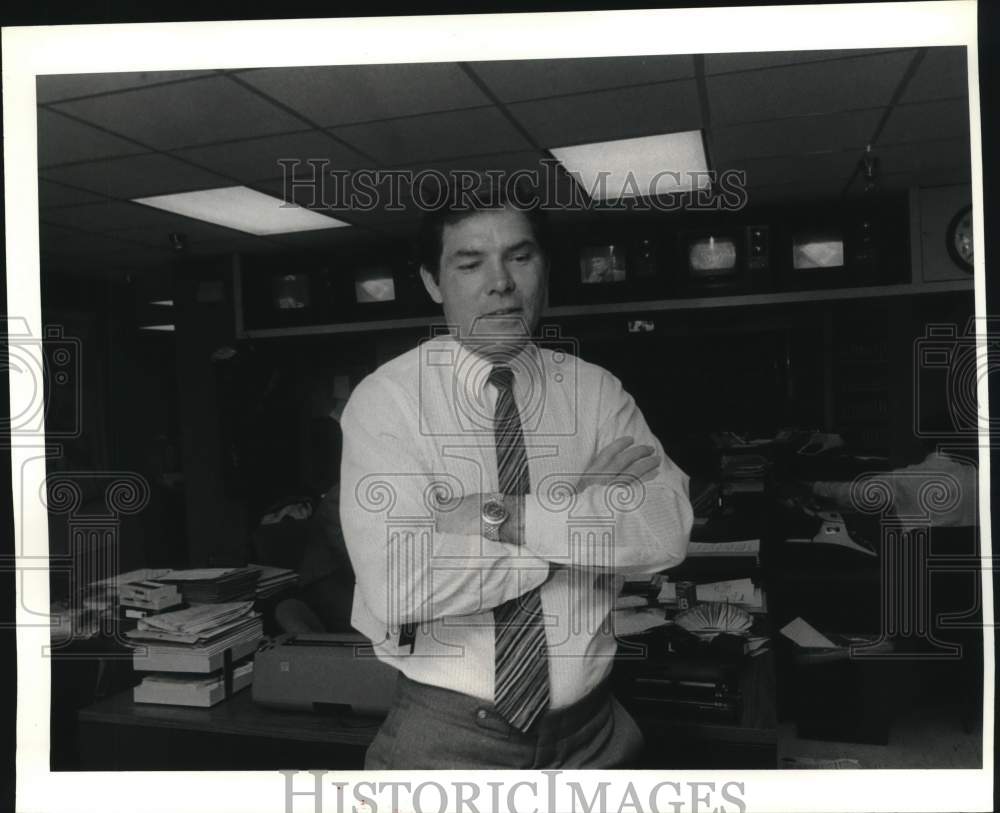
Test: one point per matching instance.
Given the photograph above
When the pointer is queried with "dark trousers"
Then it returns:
(430, 728)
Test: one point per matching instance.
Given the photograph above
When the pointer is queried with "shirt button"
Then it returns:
(481, 714)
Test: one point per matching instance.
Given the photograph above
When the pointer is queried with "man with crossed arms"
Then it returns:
(498, 617)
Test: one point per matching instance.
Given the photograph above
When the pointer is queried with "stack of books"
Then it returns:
(210, 585)
(145, 598)
(196, 656)
(274, 580)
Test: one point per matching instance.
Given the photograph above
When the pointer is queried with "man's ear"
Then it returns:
(432, 287)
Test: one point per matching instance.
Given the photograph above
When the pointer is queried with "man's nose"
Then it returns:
(501, 280)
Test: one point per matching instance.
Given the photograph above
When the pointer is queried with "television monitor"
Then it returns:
(374, 284)
(712, 257)
(602, 264)
(817, 250)
(290, 291)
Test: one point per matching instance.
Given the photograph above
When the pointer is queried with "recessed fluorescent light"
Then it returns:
(243, 209)
(639, 167)
(168, 302)
(165, 328)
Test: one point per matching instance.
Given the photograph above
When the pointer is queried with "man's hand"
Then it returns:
(621, 461)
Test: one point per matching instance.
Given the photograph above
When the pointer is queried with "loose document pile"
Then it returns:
(197, 656)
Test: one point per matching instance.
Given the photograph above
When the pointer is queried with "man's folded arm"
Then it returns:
(407, 572)
(638, 528)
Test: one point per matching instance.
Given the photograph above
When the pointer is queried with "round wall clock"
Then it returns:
(958, 239)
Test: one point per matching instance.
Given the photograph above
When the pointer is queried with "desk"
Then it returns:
(750, 741)
(237, 734)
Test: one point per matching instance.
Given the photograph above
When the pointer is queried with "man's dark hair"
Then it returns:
(458, 204)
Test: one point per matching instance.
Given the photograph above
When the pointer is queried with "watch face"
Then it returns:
(959, 239)
(494, 512)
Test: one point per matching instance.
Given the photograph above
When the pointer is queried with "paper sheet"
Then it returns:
(804, 634)
(198, 574)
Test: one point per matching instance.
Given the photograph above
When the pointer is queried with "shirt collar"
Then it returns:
(474, 371)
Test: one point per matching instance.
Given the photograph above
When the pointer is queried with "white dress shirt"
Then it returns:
(420, 427)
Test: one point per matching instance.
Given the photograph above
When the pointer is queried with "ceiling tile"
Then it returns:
(61, 140)
(922, 156)
(349, 94)
(257, 158)
(436, 135)
(728, 63)
(532, 79)
(399, 194)
(374, 217)
(71, 85)
(106, 215)
(134, 221)
(943, 74)
(55, 194)
(799, 191)
(837, 166)
(526, 163)
(608, 115)
(505, 162)
(136, 176)
(326, 238)
(185, 114)
(847, 84)
(344, 197)
(196, 234)
(834, 131)
(926, 121)
(321, 192)
(61, 240)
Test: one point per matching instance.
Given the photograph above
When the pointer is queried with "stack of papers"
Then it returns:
(744, 467)
(214, 584)
(274, 579)
(741, 592)
(196, 639)
(146, 598)
(132, 576)
(175, 690)
(198, 624)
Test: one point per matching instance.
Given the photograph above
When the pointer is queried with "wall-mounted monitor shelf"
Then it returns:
(685, 304)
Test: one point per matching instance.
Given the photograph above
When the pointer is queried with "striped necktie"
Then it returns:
(521, 689)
